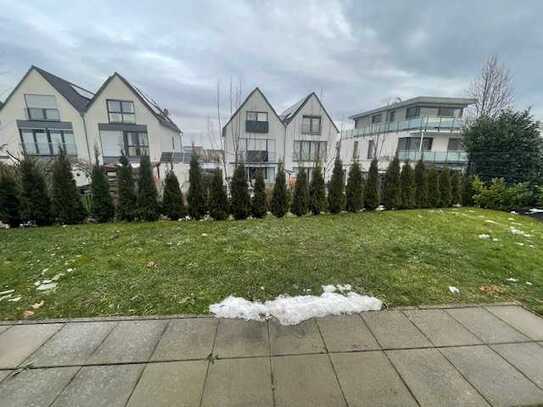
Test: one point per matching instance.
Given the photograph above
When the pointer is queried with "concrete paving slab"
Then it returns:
(3, 328)
(294, 339)
(100, 386)
(526, 322)
(17, 343)
(526, 357)
(485, 325)
(129, 341)
(433, 380)
(394, 331)
(496, 379)
(305, 380)
(186, 339)
(368, 379)
(72, 345)
(239, 382)
(35, 387)
(346, 333)
(441, 328)
(241, 338)
(170, 384)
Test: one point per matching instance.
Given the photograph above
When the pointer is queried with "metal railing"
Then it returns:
(417, 123)
(434, 156)
(48, 149)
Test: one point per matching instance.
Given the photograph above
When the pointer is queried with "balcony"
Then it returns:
(257, 156)
(418, 123)
(458, 157)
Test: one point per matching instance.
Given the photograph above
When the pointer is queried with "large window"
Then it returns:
(355, 150)
(256, 122)
(411, 112)
(445, 111)
(48, 142)
(121, 111)
(377, 118)
(311, 125)
(42, 107)
(136, 143)
(257, 150)
(455, 144)
(267, 172)
(391, 115)
(371, 150)
(413, 144)
(310, 150)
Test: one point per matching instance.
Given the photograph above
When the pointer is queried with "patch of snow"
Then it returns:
(454, 290)
(7, 292)
(495, 239)
(514, 213)
(491, 221)
(516, 231)
(344, 288)
(5, 297)
(512, 280)
(484, 236)
(519, 243)
(16, 299)
(380, 208)
(330, 288)
(528, 283)
(46, 286)
(293, 310)
(535, 210)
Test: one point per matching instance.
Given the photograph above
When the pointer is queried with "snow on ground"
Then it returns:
(484, 236)
(293, 310)
(535, 210)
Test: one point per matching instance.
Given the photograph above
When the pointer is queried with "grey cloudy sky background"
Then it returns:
(356, 54)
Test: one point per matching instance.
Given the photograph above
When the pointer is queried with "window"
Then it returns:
(391, 115)
(47, 142)
(445, 111)
(310, 150)
(42, 107)
(377, 118)
(136, 143)
(257, 150)
(355, 150)
(257, 116)
(311, 125)
(455, 144)
(257, 122)
(413, 144)
(121, 111)
(411, 112)
(371, 150)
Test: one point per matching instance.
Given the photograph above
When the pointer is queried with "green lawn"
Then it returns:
(403, 258)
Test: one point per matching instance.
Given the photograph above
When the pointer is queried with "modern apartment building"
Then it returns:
(44, 113)
(261, 138)
(427, 127)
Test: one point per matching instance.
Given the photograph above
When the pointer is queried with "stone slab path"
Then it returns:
(436, 356)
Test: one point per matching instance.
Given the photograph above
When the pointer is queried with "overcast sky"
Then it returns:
(355, 54)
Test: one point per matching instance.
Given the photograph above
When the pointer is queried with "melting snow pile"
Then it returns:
(293, 310)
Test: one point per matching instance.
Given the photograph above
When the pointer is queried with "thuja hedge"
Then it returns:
(31, 195)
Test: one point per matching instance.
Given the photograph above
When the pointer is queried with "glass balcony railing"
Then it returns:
(417, 123)
(48, 149)
(434, 156)
(257, 156)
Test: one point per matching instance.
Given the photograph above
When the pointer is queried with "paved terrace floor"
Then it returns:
(448, 356)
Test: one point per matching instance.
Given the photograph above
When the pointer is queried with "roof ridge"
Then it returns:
(62, 79)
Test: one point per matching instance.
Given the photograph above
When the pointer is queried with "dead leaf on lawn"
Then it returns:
(152, 265)
(491, 289)
(27, 314)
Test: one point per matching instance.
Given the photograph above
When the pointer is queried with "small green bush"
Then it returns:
(498, 195)
(355, 188)
(173, 205)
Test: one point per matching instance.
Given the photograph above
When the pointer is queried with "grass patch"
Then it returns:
(404, 258)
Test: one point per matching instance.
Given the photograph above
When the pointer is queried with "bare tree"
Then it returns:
(493, 89)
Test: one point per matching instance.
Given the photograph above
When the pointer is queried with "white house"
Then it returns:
(427, 127)
(260, 138)
(45, 112)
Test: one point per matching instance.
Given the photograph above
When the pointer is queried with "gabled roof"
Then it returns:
(289, 114)
(431, 100)
(155, 109)
(76, 95)
(257, 89)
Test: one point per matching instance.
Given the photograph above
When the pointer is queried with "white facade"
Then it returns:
(427, 127)
(258, 136)
(118, 118)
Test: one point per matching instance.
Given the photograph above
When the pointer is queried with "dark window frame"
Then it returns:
(121, 111)
(371, 149)
(413, 144)
(43, 110)
(311, 119)
(137, 146)
(409, 115)
(391, 115)
(458, 140)
(441, 108)
(47, 132)
(376, 118)
(257, 113)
